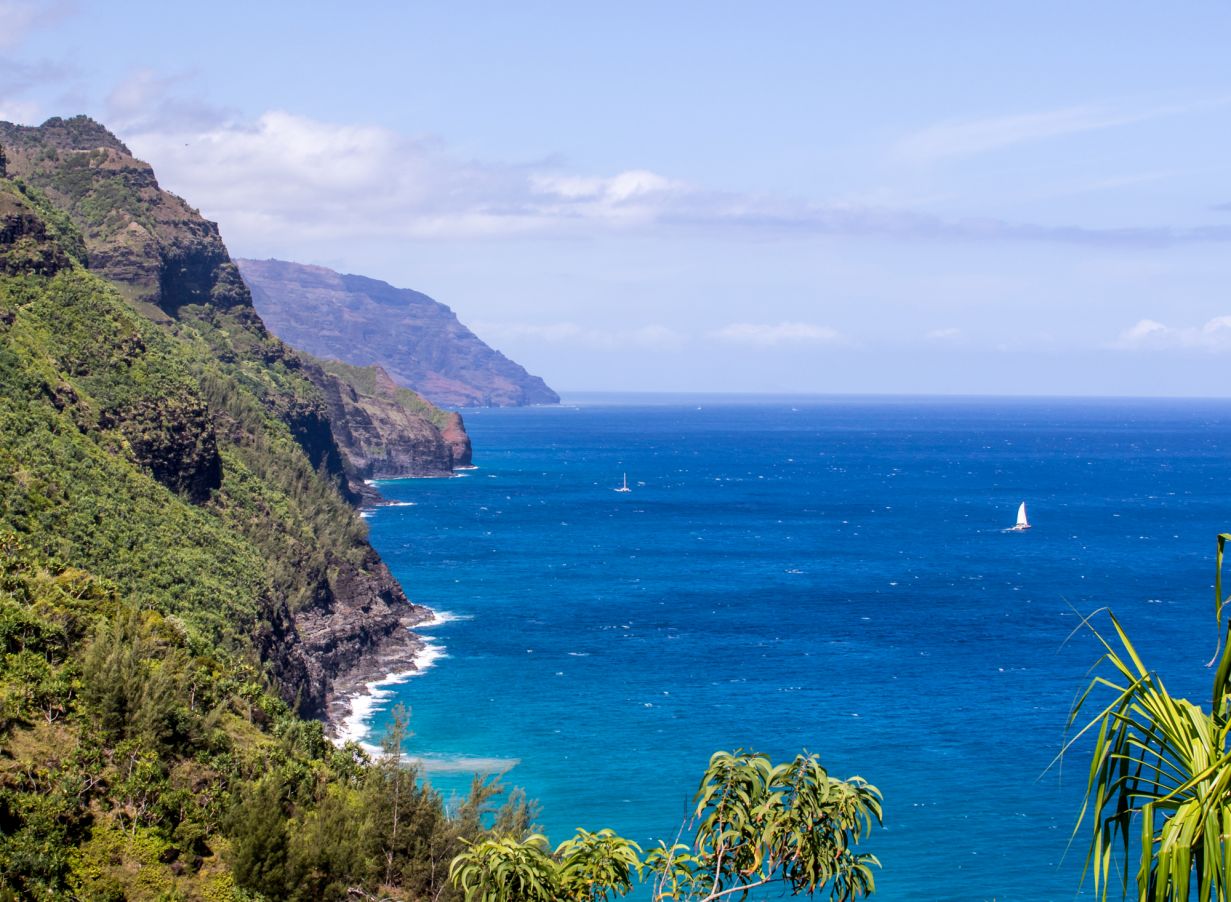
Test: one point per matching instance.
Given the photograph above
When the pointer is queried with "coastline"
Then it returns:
(370, 498)
(365, 690)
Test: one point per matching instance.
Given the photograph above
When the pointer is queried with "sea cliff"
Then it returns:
(418, 341)
(186, 587)
(386, 431)
(236, 423)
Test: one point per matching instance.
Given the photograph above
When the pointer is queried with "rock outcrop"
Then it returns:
(159, 250)
(363, 321)
(358, 631)
(25, 245)
(384, 431)
(454, 433)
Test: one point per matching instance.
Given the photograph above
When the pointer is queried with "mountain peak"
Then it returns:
(79, 133)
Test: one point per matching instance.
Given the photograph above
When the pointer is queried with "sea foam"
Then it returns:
(356, 726)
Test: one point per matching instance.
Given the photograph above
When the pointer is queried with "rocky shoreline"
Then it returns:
(392, 661)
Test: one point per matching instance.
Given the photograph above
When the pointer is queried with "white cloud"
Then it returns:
(764, 335)
(1213, 335)
(975, 136)
(302, 179)
(648, 337)
(948, 334)
(625, 186)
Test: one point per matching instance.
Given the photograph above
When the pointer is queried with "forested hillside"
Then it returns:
(182, 575)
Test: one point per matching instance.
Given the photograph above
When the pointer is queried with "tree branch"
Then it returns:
(735, 889)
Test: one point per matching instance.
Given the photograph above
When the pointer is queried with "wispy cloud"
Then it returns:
(946, 334)
(19, 17)
(648, 337)
(654, 336)
(1213, 335)
(147, 101)
(969, 137)
(769, 335)
(306, 179)
(17, 76)
(23, 112)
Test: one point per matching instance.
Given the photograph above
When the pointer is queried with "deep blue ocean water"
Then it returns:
(829, 574)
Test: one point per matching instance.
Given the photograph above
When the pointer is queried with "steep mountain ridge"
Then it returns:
(240, 419)
(182, 578)
(165, 258)
(151, 243)
(416, 339)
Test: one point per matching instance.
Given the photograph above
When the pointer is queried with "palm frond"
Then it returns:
(1160, 774)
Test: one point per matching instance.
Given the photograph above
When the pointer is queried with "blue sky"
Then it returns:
(953, 198)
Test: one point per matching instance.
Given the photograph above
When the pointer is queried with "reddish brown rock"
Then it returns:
(384, 431)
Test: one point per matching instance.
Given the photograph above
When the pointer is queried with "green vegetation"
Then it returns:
(757, 824)
(87, 181)
(139, 763)
(1160, 779)
(364, 380)
(145, 752)
(63, 231)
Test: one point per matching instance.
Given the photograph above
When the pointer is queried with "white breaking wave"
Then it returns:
(439, 618)
(356, 727)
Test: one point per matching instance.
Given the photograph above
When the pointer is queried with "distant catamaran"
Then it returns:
(624, 488)
(1022, 522)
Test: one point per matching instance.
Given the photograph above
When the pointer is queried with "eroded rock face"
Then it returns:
(25, 246)
(358, 631)
(362, 321)
(380, 437)
(148, 241)
(454, 433)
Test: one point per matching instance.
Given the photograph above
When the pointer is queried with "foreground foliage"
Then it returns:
(1160, 778)
(756, 824)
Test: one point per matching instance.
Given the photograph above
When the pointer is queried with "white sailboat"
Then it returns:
(1022, 523)
(624, 488)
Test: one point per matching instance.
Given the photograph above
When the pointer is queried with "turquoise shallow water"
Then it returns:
(829, 574)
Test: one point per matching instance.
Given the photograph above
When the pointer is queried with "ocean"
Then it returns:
(830, 574)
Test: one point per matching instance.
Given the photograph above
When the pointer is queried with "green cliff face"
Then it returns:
(248, 405)
(214, 414)
(180, 568)
(171, 265)
(160, 251)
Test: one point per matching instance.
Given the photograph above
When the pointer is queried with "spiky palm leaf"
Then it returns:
(1160, 775)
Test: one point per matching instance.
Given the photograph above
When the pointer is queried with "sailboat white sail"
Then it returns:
(624, 488)
(1022, 522)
